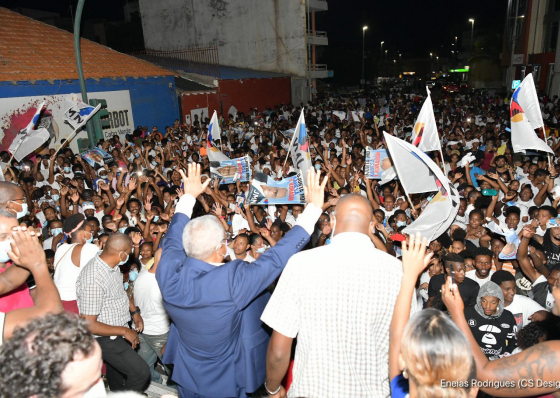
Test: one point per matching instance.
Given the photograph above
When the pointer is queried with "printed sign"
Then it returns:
(266, 191)
(231, 171)
(377, 161)
(96, 157)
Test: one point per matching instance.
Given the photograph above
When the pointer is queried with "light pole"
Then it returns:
(363, 54)
(472, 34)
(386, 53)
(382, 48)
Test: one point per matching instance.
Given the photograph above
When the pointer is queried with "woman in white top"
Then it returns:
(71, 257)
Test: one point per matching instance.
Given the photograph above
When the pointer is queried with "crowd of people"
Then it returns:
(146, 268)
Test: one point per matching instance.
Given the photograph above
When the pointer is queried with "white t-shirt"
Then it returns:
(472, 275)
(522, 308)
(66, 272)
(147, 297)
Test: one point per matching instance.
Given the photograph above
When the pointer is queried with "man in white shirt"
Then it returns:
(147, 296)
(483, 266)
(240, 247)
(338, 301)
(524, 309)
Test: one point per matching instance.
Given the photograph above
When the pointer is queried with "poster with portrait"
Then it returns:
(377, 161)
(231, 171)
(96, 158)
(265, 190)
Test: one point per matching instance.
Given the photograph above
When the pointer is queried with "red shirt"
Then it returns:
(16, 299)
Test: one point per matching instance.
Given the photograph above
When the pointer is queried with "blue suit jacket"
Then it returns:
(217, 341)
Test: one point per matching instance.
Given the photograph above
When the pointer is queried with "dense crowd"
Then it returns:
(145, 268)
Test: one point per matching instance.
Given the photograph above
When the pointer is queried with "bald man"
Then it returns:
(103, 302)
(338, 301)
(12, 198)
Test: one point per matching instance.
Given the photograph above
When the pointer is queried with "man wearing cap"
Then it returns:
(71, 257)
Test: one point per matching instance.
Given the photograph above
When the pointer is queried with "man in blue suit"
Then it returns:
(217, 342)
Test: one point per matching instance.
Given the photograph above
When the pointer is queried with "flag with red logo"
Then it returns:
(425, 135)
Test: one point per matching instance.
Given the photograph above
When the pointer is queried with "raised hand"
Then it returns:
(132, 184)
(120, 201)
(414, 257)
(315, 189)
(75, 197)
(26, 251)
(64, 191)
(148, 205)
(136, 238)
(192, 184)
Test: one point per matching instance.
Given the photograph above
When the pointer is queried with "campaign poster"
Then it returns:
(96, 158)
(377, 161)
(265, 190)
(15, 114)
(231, 171)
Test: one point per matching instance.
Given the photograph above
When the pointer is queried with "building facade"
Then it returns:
(276, 36)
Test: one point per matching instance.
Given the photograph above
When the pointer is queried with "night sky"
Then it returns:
(415, 28)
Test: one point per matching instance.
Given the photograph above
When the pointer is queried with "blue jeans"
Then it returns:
(150, 351)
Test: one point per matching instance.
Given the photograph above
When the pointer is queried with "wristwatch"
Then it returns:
(135, 312)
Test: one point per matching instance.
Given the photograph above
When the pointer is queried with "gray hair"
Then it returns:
(202, 236)
(6, 214)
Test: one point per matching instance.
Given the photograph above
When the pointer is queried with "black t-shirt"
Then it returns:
(551, 251)
(495, 336)
(468, 289)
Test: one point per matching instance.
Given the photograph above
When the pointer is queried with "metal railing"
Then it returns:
(200, 60)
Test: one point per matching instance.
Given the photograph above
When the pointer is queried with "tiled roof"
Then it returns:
(32, 50)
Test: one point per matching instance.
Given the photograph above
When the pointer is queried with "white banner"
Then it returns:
(16, 112)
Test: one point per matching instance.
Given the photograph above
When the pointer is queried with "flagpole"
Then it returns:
(442, 161)
(68, 140)
(409, 200)
(289, 150)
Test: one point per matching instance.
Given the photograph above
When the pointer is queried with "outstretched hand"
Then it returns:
(192, 184)
(414, 257)
(315, 189)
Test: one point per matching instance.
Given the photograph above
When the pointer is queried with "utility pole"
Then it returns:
(77, 53)
(511, 73)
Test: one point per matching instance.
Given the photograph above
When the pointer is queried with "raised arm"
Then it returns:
(414, 261)
(173, 252)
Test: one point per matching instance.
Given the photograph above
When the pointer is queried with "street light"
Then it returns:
(386, 53)
(363, 53)
(382, 47)
(431, 55)
(472, 33)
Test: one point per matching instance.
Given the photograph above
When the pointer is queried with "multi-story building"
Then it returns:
(264, 35)
(532, 30)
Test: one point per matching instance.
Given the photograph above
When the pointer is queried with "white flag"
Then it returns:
(79, 113)
(526, 116)
(214, 154)
(418, 173)
(412, 167)
(300, 148)
(25, 142)
(28, 139)
(438, 216)
(425, 135)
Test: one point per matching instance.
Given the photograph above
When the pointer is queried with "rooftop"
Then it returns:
(31, 50)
